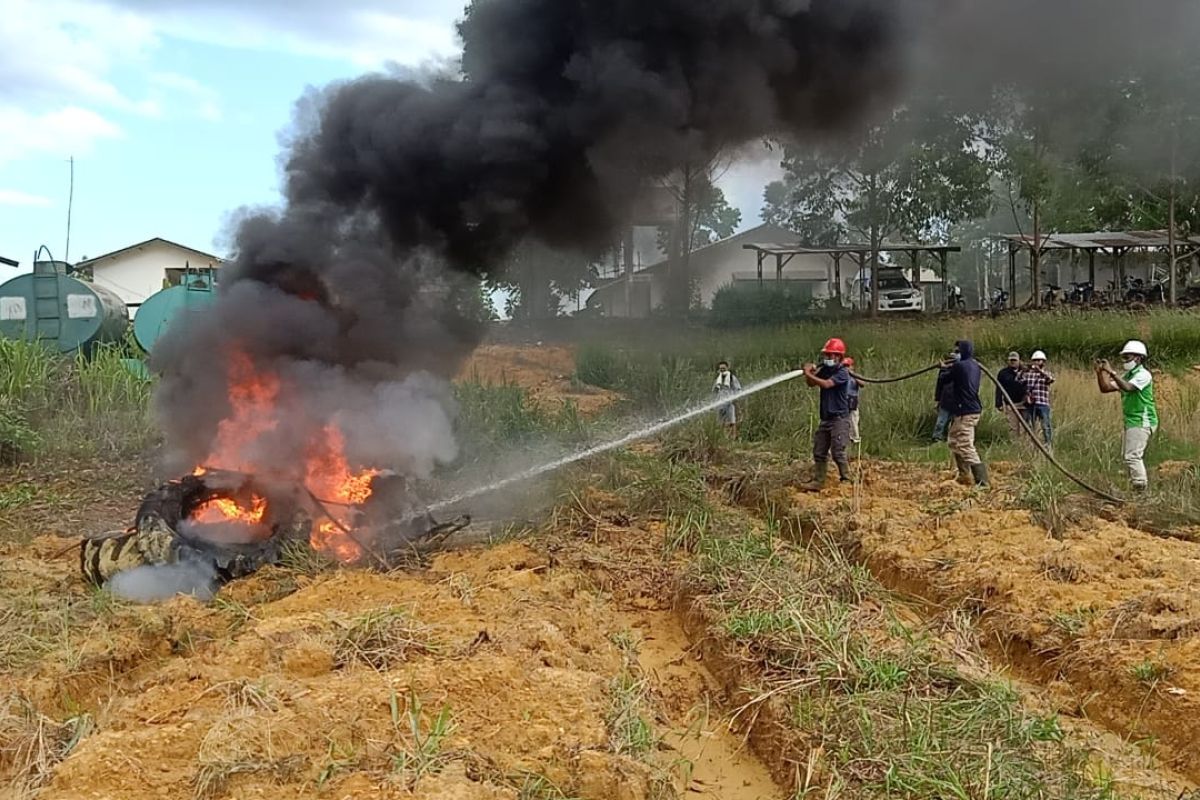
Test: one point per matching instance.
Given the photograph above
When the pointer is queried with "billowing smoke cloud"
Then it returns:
(400, 193)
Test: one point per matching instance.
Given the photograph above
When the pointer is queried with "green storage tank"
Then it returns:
(64, 312)
(196, 291)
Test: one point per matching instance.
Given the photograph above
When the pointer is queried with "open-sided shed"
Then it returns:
(858, 254)
(1116, 245)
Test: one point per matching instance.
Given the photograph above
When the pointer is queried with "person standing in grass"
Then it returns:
(833, 433)
(1009, 378)
(854, 387)
(727, 385)
(1136, 386)
(1036, 381)
(963, 394)
(942, 401)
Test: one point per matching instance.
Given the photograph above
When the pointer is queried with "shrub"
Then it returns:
(736, 306)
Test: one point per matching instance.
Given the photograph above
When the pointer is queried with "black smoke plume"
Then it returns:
(400, 194)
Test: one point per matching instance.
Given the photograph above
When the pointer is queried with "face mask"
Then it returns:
(830, 362)
(1129, 365)
(956, 356)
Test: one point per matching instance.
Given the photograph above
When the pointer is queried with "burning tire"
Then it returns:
(168, 530)
(216, 525)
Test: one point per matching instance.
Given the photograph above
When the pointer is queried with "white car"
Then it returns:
(897, 293)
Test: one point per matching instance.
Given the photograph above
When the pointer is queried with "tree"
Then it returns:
(537, 278)
(711, 218)
(914, 173)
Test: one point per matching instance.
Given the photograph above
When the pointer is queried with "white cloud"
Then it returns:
(200, 100)
(64, 132)
(366, 33)
(13, 197)
(56, 50)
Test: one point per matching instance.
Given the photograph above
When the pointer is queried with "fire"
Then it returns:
(225, 509)
(328, 475)
(253, 397)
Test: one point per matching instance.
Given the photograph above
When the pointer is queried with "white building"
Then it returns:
(712, 267)
(134, 273)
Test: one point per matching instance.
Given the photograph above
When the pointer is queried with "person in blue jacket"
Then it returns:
(963, 403)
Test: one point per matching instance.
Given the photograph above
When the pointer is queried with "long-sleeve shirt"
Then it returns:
(1037, 386)
(1008, 378)
(964, 381)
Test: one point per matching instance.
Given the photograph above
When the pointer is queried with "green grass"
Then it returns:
(878, 699)
(55, 406)
(897, 419)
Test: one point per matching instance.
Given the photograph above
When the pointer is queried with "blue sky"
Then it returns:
(173, 109)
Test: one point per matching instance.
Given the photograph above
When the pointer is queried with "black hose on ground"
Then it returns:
(1033, 437)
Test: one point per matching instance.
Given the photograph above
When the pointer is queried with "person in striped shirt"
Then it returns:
(1136, 386)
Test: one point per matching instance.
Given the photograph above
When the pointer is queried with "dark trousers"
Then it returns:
(832, 435)
(1036, 413)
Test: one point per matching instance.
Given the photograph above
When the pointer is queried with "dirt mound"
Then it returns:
(546, 370)
(491, 675)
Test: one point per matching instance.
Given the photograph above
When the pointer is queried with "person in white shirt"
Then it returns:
(727, 384)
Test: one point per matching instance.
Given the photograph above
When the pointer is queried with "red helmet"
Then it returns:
(835, 346)
(848, 361)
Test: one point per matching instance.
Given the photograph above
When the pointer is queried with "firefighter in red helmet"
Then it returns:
(832, 436)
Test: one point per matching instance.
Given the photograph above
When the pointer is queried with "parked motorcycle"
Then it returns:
(1052, 295)
(1138, 291)
(1081, 294)
(998, 301)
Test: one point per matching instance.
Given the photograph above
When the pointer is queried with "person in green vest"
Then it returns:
(1136, 386)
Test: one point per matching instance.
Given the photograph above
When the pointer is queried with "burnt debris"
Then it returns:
(170, 532)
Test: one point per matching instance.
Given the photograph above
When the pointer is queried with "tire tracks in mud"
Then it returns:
(1103, 623)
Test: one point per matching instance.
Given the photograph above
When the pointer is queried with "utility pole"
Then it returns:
(70, 203)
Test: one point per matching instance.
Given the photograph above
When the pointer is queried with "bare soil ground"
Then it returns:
(500, 672)
(546, 371)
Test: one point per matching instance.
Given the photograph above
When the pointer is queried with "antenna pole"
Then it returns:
(70, 203)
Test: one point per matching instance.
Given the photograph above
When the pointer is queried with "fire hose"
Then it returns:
(1033, 437)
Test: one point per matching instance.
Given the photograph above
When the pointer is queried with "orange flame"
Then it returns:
(253, 397)
(328, 475)
(225, 509)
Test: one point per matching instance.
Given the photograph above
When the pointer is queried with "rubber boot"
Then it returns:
(979, 473)
(844, 473)
(964, 472)
(820, 469)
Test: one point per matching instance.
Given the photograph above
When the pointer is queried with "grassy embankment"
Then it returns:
(897, 418)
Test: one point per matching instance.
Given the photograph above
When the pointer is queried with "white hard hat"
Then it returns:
(1038, 355)
(1134, 347)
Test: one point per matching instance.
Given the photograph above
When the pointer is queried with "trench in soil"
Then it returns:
(258, 694)
(1102, 623)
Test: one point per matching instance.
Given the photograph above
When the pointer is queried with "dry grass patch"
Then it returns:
(382, 639)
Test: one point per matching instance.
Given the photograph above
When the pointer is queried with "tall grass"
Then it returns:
(897, 419)
(53, 405)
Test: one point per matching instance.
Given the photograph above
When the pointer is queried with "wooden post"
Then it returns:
(778, 272)
(916, 270)
(1012, 273)
(760, 260)
(1092, 267)
(943, 257)
(837, 278)
(627, 246)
